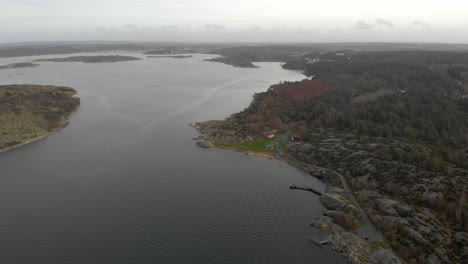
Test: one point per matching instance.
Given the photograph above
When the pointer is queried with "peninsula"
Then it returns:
(18, 65)
(241, 61)
(91, 59)
(388, 133)
(171, 56)
(31, 112)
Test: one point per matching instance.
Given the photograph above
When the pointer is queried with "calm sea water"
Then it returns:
(125, 183)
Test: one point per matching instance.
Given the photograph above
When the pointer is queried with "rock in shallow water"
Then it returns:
(203, 144)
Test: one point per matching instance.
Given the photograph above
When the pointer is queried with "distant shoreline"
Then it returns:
(91, 59)
(18, 66)
(171, 56)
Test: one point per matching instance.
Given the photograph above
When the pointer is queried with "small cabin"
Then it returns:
(295, 138)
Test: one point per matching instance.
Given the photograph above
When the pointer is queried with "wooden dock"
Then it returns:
(317, 242)
(305, 188)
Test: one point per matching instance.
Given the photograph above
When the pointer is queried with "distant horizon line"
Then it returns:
(217, 42)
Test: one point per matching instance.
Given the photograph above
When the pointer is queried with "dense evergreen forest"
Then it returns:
(418, 96)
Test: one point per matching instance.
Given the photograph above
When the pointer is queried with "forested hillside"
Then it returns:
(418, 96)
(395, 123)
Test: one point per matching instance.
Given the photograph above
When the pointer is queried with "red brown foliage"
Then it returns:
(253, 128)
(345, 220)
(300, 92)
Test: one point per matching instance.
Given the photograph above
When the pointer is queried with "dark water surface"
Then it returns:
(125, 183)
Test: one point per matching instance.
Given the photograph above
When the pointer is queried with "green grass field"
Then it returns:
(257, 145)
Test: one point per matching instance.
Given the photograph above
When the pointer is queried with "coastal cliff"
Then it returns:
(31, 112)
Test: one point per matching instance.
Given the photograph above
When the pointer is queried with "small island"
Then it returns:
(31, 112)
(172, 56)
(91, 59)
(18, 65)
(241, 61)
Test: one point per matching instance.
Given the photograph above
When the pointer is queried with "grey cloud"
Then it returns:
(422, 24)
(381, 22)
(168, 28)
(279, 29)
(107, 29)
(132, 27)
(215, 27)
(135, 27)
(204, 20)
(289, 30)
(306, 31)
(254, 29)
(336, 31)
(363, 25)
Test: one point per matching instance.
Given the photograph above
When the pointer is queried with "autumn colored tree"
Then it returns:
(303, 91)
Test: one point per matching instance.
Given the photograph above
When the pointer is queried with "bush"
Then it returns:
(346, 220)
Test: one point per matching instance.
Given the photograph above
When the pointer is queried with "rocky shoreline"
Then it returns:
(364, 224)
(399, 156)
(29, 113)
(65, 123)
(353, 247)
(397, 208)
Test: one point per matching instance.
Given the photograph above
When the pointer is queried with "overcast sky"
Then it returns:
(235, 20)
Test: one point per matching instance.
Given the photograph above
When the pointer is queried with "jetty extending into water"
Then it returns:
(317, 242)
(305, 188)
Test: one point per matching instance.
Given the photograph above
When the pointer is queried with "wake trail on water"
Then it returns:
(104, 100)
(143, 128)
(207, 95)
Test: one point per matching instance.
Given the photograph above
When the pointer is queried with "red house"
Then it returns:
(295, 138)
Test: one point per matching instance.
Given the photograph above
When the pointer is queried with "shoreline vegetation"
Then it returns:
(342, 235)
(170, 51)
(370, 126)
(91, 59)
(29, 113)
(259, 52)
(171, 56)
(240, 61)
(19, 65)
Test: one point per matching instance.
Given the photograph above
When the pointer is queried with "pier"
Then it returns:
(317, 242)
(305, 188)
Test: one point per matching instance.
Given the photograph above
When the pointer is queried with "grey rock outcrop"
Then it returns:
(333, 201)
(383, 256)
